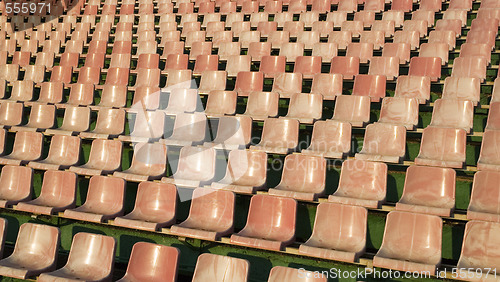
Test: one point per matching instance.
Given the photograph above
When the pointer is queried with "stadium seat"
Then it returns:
(426, 66)
(396, 16)
(483, 203)
(308, 66)
(35, 251)
(15, 185)
(328, 85)
(148, 163)
(488, 158)
(152, 262)
(154, 207)
(383, 142)
(372, 86)
(470, 67)
(291, 51)
(180, 100)
(189, 129)
(363, 51)
(341, 38)
(305, 107)
(27, 147)
(263, 230)
(428, 190)
(196, 167)
(453, 113)
(450, 153)
(245, 173)
(105, 199)
(22, 91)
(410, 37)
(279, 136)
(352, 109)
(220, 103)
(493, 122)
(64, 152)
(211, 267)
(3, 234)
(261, 105)
(76, 119)
(303, 178)
(91, 257)
(424, 15)
(330, 139)
(287, 84)
(110, 123)
(431, 50)
(210, 216)
(412, 242)
(339, 238)
(418, 87)
(281, 273)
(476, 50)
(247, 81)
(325, 50)
(443, 36)
(348, 67)
(362, 183)
(463, 88)
(105, 157)
(11, 114)
(399, 111)
(232, 133)
(272, 66)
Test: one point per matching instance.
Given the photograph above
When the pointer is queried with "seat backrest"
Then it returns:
(303, 173)
(92, 252)
(281, 273)
(211, 267)
(478, 240)
(152, 262)
(363, 179)
(196, 163)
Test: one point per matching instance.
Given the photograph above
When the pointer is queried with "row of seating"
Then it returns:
(91, 256)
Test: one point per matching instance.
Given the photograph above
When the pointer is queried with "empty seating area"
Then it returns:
(248, 140)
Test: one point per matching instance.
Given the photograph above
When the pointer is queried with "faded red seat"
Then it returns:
(325, 50)
(236, 63)
(383, 142)
(220, 103)
(348, 6)
(348, 67)
(206, 63)
(416, 25)
(488, 157)
(463, 88)
(450, 153)
(372, 86)
(281, 273)
(454, 25)
(181, 101)
(323, 27)
(246, 172)
(418, 87)
(330, 139)
(341, 38)
(104, 200)
(262, 229)
(189, 129)
(76, 119)
(431, 5)
(91, 257)
(27, 147)
(105, 157)
(352, 109)
(145, 97)
(340, 238)
(247, 82)
(265, 28)
(385, 26)
(211, 267)
(481, 37)
(196, 167)
(287, 84)
(412, 242)
(396, 16)
(430, 67)
(411, 37)
(21, 58)
(42, 116)
(232, 133)
(470, 67)
(261, 105)
(198, 48)
(453, 113)
(15, 185)
(148, 125)
(272, 66)
(354, 27)
(362, 183)
(308, 38)
(303, 178)
(452, 14)
(305, 107)
(385, 66)
(430, 50)
(208, 224)
(308, 66)
(89, 75)
(58, 193)
(483, 203)
(400, 111)
(118, 76)
(429, 190)
(10, 72)
(279, 136)
(176, 62)
(291, 51)
(81, 95)
(424, 15)
(64, 152)
(367, 17)
(493, 117)
(154, 207)
(374, 5)
(402, 5)
(35, 251)
(148, 163)
(328, 85)
(11, 114)
(443, 36)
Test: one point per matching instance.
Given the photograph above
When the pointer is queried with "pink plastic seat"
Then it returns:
(323, 27)
(374, 5)
(488, 158)
(452, 14)
(430, 67)
(352, 109)
(305, 107)
(444, 147)
(91, 258)
(237, 64)
(328, 85)
(220, 103)
(308, 66)
(453, 113)
(110, 123)
(348, 6)
(196, 167)
(160, 261)
(372, 86)
(341, 38)
(287, 84)
(410, 37)
(463, 88)
(386, 66)
(364, 51)
(431, 5)
(443, 36)
(210, 216)
(396, 16)
(484, 204)
(261, 105)
(58, 193)
(246, 172)
(105, 157)
(281, 273)
(232, 133)
(9, 72)
(279, 136)
(189, 129)
(418, 87)
(354, 27)
(206, 63)
(27, 147)
(325, 50)
(493, 117)
(35, 251)
(76, 119)
(454, 25)
(11, 114)
(430, 50)
(81, 95)
(362, 183)
(386, 27)
(15, 185)
(181, 100)
(22, 91)
(303, 178)
(424, 15)
(429, 190)
(149, 162)
(51, 92)
(399, 110)
(383, 142)
(63, 153)
(105, 198)
(154, 207)
(291, 51)
(270, 223)
(481, 36)
(348, 67)
(148, 125)
(278, 38)
(340, 238)
(367, 17)
(210, 267)
(476, 50)
(212, 81)
(272, 66)
(470, 67)
(330, 139)
(412, 242)
(309, 38)
(247, 82)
